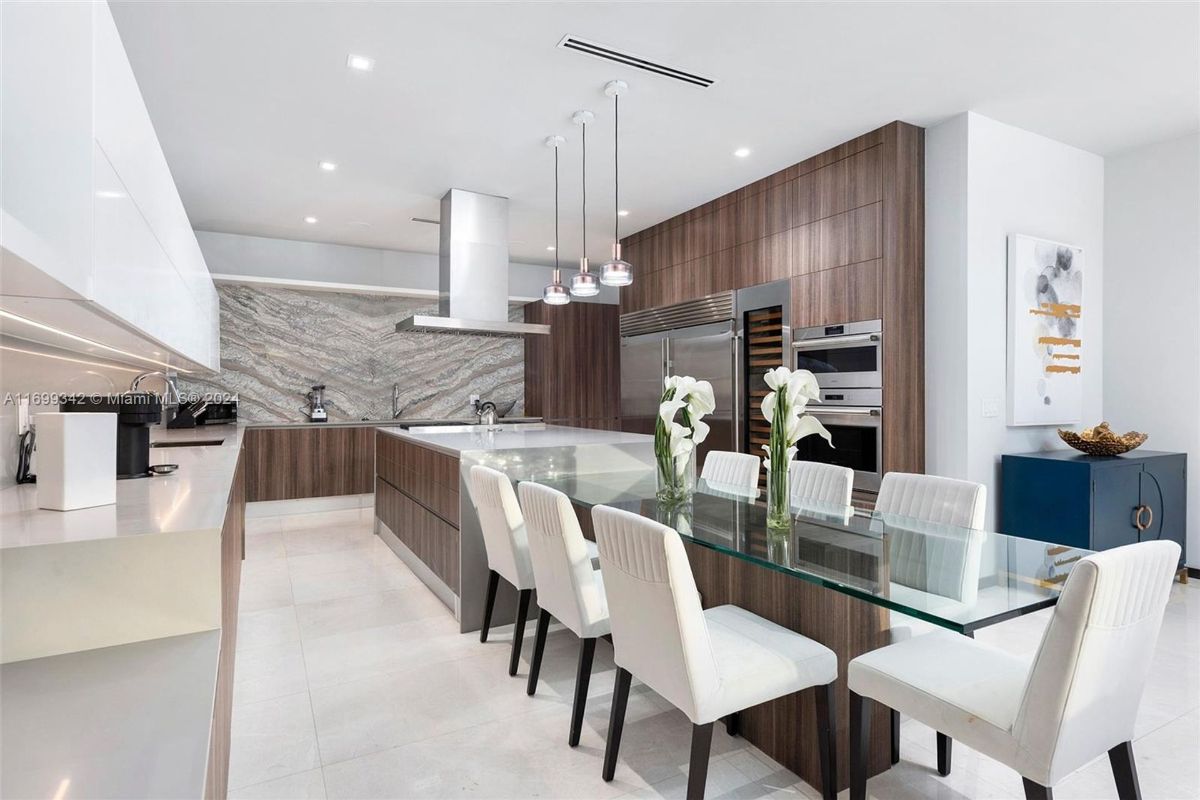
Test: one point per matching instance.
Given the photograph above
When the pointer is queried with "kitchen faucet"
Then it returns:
(171, 395)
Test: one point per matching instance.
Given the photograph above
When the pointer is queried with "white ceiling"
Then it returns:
(248, 97)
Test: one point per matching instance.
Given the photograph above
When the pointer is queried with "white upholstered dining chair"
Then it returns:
(736, 470)
(1077, 699)
(507, 546)
(820, 483)
(708, 663)
(569, 588)
(956, 505)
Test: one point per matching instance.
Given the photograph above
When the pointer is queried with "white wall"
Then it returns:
(1015, 182)
(1152, 303)
(301, 264)
(28, 368)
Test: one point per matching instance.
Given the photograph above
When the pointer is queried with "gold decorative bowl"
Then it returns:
(1101, 441)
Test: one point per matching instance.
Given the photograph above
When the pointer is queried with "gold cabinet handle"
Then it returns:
(1137, 518)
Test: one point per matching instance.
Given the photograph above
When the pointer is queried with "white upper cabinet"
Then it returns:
(46, 148)
(109, 222)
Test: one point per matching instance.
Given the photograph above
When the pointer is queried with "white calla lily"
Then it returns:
(777, 377)
(810, 425)
(767, 406)
(700, 432)
(669, 409)
(701, 400)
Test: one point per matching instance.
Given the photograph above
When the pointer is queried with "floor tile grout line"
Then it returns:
(308, 691)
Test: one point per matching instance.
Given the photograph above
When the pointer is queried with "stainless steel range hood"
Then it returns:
(472, 270)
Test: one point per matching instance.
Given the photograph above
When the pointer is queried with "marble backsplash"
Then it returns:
(277, 343)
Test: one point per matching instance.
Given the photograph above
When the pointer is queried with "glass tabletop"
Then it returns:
(958, 578)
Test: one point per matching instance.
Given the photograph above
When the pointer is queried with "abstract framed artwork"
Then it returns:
(1045, 339)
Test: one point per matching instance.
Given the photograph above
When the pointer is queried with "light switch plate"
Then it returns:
(990, 407)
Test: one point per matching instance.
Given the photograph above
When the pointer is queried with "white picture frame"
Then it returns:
(1045, 332)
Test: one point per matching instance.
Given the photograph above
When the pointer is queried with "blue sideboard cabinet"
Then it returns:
(1095, 502)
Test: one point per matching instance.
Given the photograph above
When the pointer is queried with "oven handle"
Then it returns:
(843, 410)
(836, 341)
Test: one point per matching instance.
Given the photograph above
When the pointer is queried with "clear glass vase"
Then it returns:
(779, 501)
(676, 478)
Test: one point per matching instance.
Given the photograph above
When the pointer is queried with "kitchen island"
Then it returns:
(423, 509)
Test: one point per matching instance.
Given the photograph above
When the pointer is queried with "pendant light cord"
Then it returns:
(583, 267)
(616, 170)
(556, 267)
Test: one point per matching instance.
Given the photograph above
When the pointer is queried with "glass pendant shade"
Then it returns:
(584, 283)
(616, 271)
(556, 294)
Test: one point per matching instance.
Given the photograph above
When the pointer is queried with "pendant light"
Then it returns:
(584, 284)
(556, 294)
(616, 271)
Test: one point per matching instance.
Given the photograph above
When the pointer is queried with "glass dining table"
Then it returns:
(956, 578)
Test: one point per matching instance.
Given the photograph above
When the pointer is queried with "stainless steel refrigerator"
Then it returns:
(718, 339)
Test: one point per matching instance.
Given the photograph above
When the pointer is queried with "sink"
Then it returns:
(501, 428)
(189, 443)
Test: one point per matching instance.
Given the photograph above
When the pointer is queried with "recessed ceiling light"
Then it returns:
(328, 166)
(742, 152)
(359, 224)
(360, 63)
(311, 220)
(550, 247)
(622, 213)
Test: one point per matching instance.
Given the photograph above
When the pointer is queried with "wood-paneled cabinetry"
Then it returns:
(233, 550)
(846, 227)
(573, 376)
(417, 498)
(314, 461)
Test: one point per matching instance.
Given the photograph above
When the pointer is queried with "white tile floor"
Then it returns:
(352, 681)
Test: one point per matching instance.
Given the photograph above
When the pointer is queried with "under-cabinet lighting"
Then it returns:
(66, 358)
(360, 63)
(51, 329)
(311, 220)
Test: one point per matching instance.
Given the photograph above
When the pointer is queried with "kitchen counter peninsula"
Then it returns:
(423, 509)
(118, 626)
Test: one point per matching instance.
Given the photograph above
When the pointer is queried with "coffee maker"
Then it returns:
(316, 404)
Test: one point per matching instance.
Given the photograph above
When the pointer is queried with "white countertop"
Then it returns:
(125, 721)
(192, 498)
(520, 438)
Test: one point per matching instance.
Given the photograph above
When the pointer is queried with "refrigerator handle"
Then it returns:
(735, 338)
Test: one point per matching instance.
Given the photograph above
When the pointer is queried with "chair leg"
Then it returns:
(895, 736)
(493, 582)
(1125, 772)
(1035, 791)
(827, 739)
(944, 750)
(616, 722)
(519, 629)
(860, 742)
(698, 766)
(733, 724)
(583, 676)
(539, 645)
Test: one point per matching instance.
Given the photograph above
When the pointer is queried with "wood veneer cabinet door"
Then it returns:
(844, 294)
(846, 238)
(294, 463)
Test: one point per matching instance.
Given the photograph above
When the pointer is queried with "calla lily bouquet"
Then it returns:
(783, 407)
(675, 442)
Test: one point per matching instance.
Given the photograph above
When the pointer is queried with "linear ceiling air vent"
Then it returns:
(630, 60)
